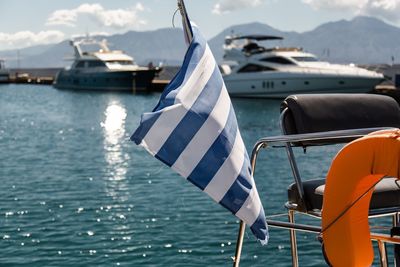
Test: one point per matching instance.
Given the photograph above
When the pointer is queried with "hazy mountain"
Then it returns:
(20, 56)
(164, 45)
(363, 40)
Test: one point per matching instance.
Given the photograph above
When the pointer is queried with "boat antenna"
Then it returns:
(173, 18)
(87, 33)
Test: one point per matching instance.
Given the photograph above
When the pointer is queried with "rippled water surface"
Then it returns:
(76, 192)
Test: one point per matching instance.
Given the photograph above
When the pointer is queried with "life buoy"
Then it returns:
(354, 172)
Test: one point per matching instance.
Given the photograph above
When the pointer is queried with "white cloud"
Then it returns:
(62, 17)
(115, 18)
(336, 4)
(92, 33)
(226, 6)
(27, 38)
(386, 9)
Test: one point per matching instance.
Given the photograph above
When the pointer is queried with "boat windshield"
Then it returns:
(306, 59)
(121, 62)
(255, 68)
(95, 63)
(277, 60)
(89, 64)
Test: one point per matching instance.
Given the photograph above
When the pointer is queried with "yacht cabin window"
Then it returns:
(121, 62)
(80, 64)
(255, 68)
(90, 64)
(95, 63)
(305, 59)
(278, 60)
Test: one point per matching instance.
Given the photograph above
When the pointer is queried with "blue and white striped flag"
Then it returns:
(193, 129)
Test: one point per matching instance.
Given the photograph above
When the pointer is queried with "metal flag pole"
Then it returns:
(189, 36)
(239, 244)
(185, 21)
(242, 227)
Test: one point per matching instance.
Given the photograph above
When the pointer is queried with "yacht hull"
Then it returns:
(281, 86)
(132, 81)
(4, 77)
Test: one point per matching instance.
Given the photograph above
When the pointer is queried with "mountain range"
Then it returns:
(362, 40)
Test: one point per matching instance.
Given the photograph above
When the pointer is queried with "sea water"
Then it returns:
(74, 191)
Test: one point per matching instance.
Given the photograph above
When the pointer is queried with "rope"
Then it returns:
(173, 18)
(275, 215)
(349, 207)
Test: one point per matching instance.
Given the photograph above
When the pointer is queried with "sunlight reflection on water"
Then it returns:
(114, 133)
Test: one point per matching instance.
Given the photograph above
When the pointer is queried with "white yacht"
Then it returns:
(4, 73)
(252, 70)
(99, 68)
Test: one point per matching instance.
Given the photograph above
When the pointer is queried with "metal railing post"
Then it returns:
(242, 227)
(293, 240)
(239, 244)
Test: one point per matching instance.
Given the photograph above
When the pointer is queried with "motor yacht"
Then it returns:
(4, 73)
(252, 70)
(99, 68)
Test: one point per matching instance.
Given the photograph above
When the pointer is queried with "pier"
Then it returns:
(47, 76)
(33, 75)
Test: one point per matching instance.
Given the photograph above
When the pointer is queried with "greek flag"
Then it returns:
(193, 129)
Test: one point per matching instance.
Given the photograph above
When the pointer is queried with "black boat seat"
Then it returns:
(325, 119)
(386, 194)
(333, 112)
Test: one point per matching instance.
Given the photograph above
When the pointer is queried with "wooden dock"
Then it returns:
(33, 75)
(158, 85)
(47, 76)
(31, 80)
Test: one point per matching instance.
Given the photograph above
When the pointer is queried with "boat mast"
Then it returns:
(77, 49)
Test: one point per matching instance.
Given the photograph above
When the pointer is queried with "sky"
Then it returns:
(25, 23)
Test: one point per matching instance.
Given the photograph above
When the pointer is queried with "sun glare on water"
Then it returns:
(114, 136)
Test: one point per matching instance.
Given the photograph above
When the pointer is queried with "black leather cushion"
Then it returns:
(330, 112)
(386, 194)
(313, 200)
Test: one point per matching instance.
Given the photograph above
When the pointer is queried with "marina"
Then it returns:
(47, 76)
(271, 157)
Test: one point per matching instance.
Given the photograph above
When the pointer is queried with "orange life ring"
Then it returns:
(354, 172)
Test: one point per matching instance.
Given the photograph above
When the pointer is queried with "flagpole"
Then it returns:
(185, 21)
(239, 244)
(189, 36)
(242, 227)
